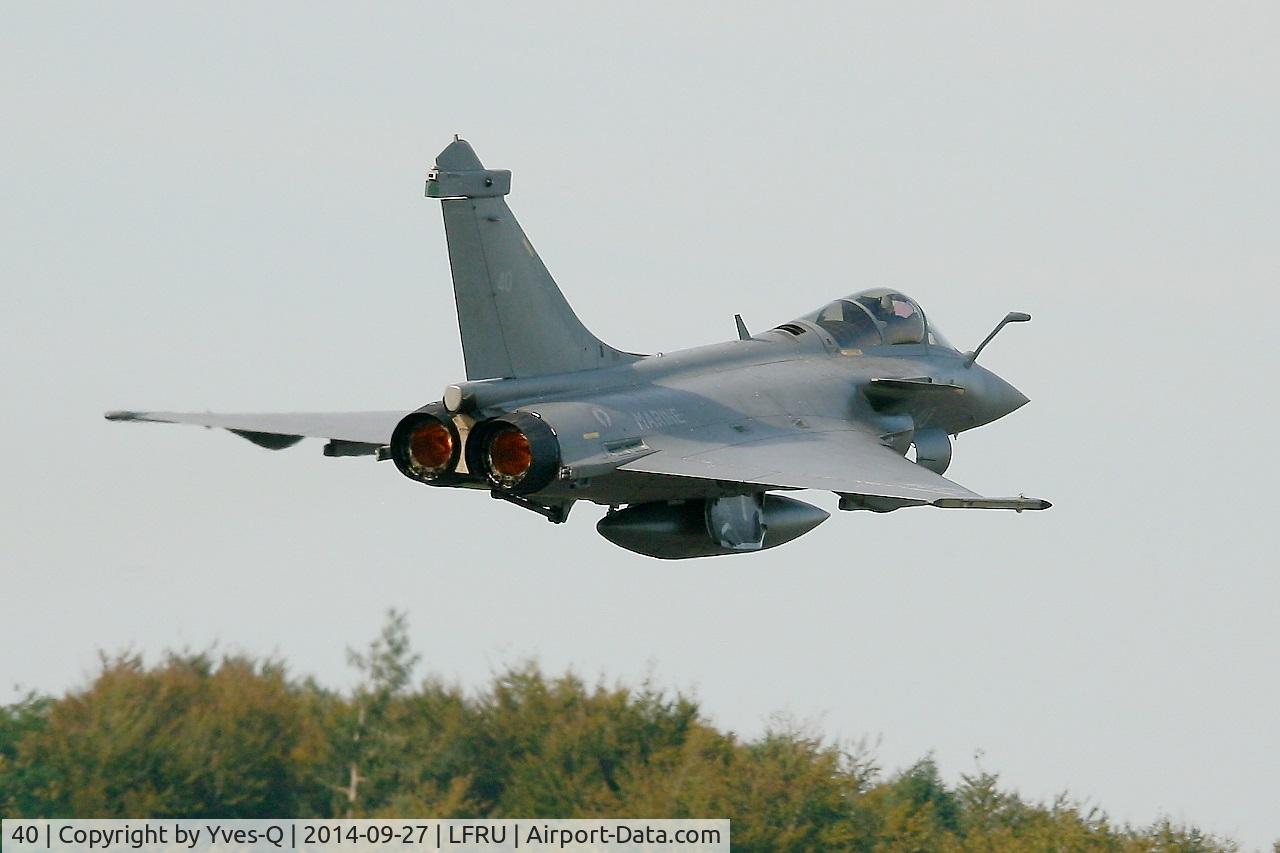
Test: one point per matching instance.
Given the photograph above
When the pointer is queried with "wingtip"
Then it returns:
(120, 415)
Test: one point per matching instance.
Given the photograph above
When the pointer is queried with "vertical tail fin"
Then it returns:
(514, 320)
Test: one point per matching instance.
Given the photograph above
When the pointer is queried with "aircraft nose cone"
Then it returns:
(1005, 398)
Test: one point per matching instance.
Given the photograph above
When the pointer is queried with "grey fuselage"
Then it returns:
(727, 392)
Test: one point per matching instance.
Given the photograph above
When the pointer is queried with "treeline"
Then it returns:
(240, 738)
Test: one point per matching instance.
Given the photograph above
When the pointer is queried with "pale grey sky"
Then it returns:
(221, 207)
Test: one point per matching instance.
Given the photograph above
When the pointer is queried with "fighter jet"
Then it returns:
(689, 450)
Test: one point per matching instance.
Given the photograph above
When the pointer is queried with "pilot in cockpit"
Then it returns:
(872, 318)
(898, 317)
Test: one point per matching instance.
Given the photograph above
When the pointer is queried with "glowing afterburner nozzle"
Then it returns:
(510, 455)
(426, 446)
(431, 447)
(518, 452)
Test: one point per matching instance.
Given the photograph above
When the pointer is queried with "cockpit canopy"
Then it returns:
(874, 318)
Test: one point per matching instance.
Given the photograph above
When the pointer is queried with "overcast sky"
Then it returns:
(221, 207)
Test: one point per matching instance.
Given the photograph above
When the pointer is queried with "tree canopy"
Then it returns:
(199, 736)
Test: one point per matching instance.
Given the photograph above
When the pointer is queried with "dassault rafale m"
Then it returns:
(689, 450)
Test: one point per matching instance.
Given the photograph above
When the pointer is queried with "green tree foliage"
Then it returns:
(195, 737)
(372, 735)
(185, 738)
(20, 780)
